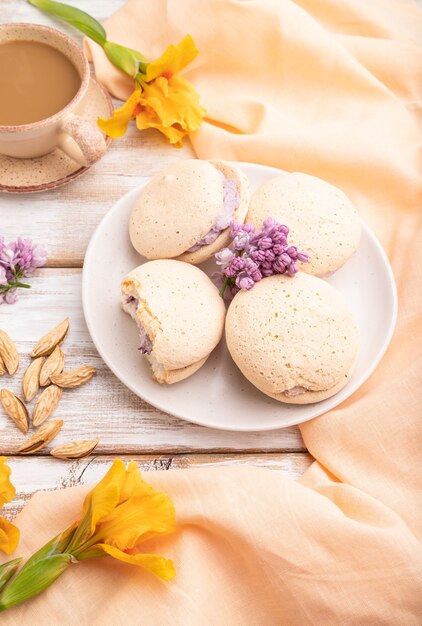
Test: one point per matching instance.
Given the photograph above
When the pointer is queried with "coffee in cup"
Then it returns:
(36, 81)
(44, 76)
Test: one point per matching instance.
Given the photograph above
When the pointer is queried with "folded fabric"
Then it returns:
(332, 88)
(252, 548)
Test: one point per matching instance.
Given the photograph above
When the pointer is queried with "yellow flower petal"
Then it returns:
(158, 565)
(9, 536)
(126, 511)
(116, 125)
(7, 490)
(141, 517)
(106, 495)
(187, 98)
(172, 106)
(174, 135)
(174, 102)
(134, 483)
(148, 119)
(173, 60)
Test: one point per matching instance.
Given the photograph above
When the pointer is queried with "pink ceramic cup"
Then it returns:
(79, 138)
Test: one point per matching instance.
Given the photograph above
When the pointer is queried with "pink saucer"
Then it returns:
(54, 169)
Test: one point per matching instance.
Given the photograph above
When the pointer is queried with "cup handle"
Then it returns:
(81, 140)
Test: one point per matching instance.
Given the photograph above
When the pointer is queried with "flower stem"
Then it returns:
(223, 286)
(129, 61)
(19, 284)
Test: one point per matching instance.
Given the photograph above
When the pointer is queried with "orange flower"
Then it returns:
(163, 99)
(9, 534)
(119, 514)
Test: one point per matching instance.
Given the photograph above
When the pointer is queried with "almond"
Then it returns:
(31, 379)
(2, 367)
(53, 365)
(75, 450)
(15, 409)
(46, 344)
(8, 353)
(42, 437)
(74, 378)
(46, 404)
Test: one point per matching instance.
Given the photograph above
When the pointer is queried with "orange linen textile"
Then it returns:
(332, 88)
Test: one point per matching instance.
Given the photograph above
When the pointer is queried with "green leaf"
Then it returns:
(77, 18)
(39, 572)
(57, 545)
(7, 570)
(125, 59)
(34, 577)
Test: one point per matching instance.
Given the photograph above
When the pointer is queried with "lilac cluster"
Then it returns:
(254, 255)
(18, 259)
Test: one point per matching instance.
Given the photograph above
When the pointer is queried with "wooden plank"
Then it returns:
(33, 474)
(104, 408)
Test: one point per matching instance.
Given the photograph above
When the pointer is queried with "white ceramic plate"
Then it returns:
(218, 395)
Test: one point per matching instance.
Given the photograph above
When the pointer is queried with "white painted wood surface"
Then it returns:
(64, 220)
(40, 473)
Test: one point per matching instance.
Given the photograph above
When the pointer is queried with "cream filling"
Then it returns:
(138, 309)
(145, 342)
(230, 204)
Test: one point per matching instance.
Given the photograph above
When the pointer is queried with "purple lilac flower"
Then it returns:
(3, 277)
(265, 243)
(18, 259)
(26, 256)
(241, 241)
(254, 255)
(241, 235)
(235, 228)
(257, 255)
(252, 269)
(244, 281)
(224, 257)
(236, 265)
(11, 296)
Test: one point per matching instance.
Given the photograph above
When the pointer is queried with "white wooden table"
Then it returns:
(64, 221)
